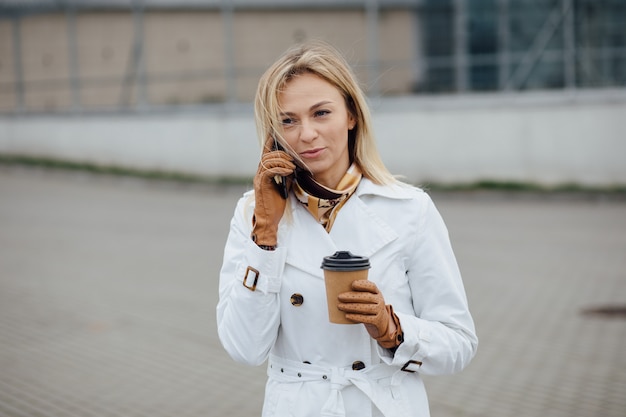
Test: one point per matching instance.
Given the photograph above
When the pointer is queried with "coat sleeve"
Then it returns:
(439, 338)
(248, 321)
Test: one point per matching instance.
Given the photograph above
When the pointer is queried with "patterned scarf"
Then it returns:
(323, 202)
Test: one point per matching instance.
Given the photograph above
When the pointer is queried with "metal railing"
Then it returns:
(466, 46)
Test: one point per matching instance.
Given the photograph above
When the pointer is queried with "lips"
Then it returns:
(312, 153)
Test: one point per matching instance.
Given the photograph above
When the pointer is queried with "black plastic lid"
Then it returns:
(345, 261)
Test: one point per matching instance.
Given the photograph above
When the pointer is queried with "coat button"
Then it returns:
(358, 365)
(297, 299)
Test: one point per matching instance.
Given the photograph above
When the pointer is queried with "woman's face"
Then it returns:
(315, 123)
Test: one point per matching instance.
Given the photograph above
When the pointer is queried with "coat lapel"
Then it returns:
(310, 245)
(360, 230)
(357, 229)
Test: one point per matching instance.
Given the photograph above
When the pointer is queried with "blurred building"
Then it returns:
(93, 55)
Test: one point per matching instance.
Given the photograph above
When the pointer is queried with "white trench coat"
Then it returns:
(319, 368)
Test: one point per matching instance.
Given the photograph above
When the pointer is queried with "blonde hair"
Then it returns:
(324, 61)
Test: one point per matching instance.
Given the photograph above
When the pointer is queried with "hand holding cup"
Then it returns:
(366, 304)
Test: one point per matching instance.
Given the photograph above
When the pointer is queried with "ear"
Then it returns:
(351, 121)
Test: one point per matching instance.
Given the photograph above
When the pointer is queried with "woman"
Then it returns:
(411, 316)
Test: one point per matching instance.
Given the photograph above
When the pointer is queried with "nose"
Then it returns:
(307, 131)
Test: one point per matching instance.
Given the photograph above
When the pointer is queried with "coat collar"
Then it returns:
(357, 229)
(399, 190)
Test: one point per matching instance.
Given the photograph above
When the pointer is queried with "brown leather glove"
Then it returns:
(365, 304)
(269, 204)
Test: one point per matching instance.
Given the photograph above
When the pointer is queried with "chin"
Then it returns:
(317, 172)
(314, 168)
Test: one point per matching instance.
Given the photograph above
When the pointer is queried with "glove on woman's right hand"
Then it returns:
(269, 204)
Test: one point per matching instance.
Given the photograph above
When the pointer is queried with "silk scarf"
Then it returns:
(322, 202)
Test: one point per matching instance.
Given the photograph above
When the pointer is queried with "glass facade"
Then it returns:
(483, 45)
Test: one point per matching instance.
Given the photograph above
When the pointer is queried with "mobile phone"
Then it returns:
(280, 182)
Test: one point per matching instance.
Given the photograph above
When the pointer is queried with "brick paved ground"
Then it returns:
(108, 293)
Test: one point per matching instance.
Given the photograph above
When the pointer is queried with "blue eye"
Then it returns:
(320, 113)
(287, 121)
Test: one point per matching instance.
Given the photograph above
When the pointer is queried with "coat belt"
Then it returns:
(285, 370)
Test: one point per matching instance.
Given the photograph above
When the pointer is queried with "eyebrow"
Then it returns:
(313, 107)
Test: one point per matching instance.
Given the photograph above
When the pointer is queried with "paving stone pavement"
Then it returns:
(108, 289)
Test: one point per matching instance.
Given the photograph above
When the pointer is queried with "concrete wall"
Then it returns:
(546, 138)
(185, 55)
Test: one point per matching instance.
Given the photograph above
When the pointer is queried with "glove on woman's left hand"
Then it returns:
(365, 304)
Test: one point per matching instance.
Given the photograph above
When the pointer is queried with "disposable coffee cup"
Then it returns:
(340, 270)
